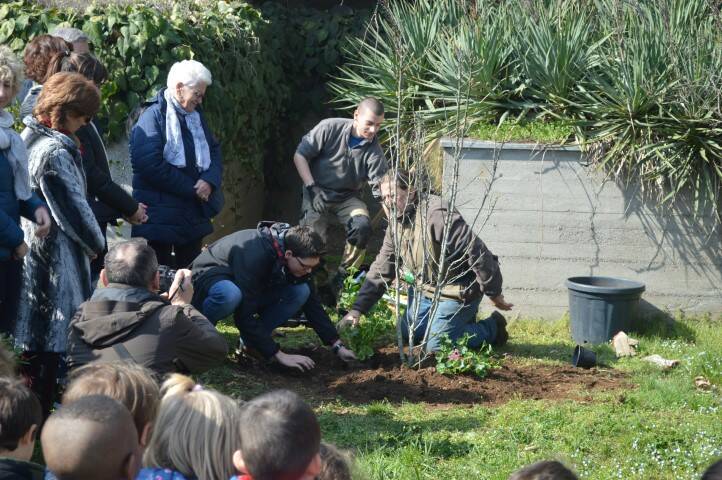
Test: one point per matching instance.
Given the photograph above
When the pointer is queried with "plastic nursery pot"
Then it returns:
(583, 358)
(600, 307)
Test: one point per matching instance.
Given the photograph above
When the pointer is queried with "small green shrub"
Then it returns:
(372, 328)
(454, 358)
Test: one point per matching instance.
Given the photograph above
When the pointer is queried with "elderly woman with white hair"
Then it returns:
(177, 167)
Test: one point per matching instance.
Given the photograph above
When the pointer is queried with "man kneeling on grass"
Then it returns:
(472, 268)
(261, 277)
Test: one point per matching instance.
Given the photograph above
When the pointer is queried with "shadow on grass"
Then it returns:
(558, 352)
(654, 322)
(389, 432)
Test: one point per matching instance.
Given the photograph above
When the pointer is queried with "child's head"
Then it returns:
(280, 438)
(91, 438)
(129, 383)
(20, 417)
(714, 472)
(335, 464)
(546, 470)
(195, 432)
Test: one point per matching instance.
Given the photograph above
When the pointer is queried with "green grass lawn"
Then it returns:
(661, 427)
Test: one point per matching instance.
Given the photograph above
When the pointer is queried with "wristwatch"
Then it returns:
(337, 347)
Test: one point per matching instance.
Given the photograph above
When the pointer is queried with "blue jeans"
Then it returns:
(273, 307)
(452, 318)
(222, 300)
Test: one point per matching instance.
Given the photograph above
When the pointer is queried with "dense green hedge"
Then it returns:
(639, 81)
(264, 65)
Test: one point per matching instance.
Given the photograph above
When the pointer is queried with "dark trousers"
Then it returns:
(10, 281)
(40, 371)
(184, 254)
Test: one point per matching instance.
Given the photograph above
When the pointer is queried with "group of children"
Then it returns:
(116, 422)
(114, 418)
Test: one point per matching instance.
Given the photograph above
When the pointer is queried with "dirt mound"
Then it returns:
(383, 378)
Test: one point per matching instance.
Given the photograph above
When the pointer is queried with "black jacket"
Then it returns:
(11, 469)
(249, 259)
(121, 322)
(107, 199)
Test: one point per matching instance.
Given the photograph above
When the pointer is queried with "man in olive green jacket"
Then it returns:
(470, 270)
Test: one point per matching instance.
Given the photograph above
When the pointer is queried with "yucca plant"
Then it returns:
(468, 72)
(653, 103)
(557, 47)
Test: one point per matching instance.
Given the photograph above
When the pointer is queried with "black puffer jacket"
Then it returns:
(249, 259)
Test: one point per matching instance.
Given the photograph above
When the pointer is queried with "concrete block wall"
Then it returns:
(549, 216)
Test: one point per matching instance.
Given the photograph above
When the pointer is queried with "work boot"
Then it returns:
(502, 336)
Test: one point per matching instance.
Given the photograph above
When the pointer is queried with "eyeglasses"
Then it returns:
(305, 265)
(196, 94)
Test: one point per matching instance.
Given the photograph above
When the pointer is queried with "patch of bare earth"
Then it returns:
(383, 378)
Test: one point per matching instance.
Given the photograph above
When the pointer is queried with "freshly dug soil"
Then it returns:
(383, 378)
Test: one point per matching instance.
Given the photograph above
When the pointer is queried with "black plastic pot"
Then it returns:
(600, 307)
(583, 358)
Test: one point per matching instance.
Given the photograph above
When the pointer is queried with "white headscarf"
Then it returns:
(174, 151)
(17, 155)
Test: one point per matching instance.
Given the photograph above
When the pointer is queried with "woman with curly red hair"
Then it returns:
(37, 56)
(56, 277)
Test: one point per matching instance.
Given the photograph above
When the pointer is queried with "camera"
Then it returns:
(167, 275)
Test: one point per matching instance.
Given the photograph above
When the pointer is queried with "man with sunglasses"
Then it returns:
(261, 277)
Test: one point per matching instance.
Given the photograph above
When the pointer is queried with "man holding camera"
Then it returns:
(261, 277)
(129, 320)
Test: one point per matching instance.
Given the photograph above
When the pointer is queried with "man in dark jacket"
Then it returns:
(470, 270)
(128, 320)
(265, 271)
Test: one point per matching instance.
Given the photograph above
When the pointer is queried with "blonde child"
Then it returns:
(195, 434)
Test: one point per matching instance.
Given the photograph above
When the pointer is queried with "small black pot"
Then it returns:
(583, 358)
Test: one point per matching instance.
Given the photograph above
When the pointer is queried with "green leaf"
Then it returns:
(151, 73)
(6, 30)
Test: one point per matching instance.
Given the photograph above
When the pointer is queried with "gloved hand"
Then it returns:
(316, 197)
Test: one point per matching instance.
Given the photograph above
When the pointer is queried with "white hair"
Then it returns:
(189, 73)
(70, 35)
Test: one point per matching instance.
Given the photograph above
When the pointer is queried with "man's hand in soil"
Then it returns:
(316, 197)
(344, 353)
(500, 303)
(350, 319)
(294, 361)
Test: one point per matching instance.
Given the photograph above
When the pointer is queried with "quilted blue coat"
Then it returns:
(11, 235)
(175, 214)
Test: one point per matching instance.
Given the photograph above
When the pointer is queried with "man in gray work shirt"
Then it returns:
(334, 160)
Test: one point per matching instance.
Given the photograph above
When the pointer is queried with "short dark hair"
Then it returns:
(85, 64)
(91, 437)
(400, 176)
(19, 410)
(545, 470)
(372, 104)
(280, 436)
(132, 262)
(304, 242)
(714, 472)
